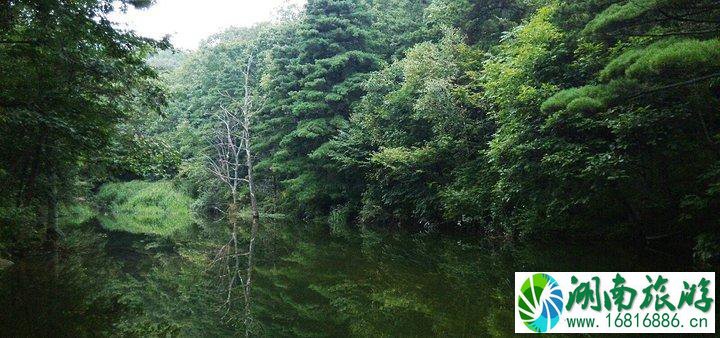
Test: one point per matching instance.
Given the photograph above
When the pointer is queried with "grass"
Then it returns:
(155, 208)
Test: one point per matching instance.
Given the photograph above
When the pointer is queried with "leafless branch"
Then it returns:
(232, 164)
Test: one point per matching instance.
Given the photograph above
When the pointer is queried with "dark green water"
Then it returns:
(117, 284)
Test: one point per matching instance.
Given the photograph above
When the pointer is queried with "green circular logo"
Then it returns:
(540, 302)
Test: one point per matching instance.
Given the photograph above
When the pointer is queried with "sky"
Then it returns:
(190, 21)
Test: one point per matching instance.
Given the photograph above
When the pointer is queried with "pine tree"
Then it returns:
(334, 58)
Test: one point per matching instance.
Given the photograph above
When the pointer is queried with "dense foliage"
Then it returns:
(504, 117)
(68, 77)
(505, 120)
(501, 117)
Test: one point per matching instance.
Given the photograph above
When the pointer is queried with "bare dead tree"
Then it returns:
(249, 110)
(227, 165)
(233, 165)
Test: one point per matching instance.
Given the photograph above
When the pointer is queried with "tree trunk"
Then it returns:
(255, 222)
(231, 140)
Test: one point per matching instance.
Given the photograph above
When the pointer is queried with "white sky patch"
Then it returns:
(190, 21)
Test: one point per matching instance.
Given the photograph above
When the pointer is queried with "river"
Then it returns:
(366, 284)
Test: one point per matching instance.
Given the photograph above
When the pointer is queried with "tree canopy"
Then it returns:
(506, 118)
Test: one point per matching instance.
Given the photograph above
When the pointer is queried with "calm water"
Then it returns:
(367, 285)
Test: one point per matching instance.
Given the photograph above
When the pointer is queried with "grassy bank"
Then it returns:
(155, 208)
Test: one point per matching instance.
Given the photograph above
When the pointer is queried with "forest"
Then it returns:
(344, 162)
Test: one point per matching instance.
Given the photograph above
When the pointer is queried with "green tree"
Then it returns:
(333, 58)
(629, 141)
(68, 76)
(651, 113)
(482, 21)
(413, 134)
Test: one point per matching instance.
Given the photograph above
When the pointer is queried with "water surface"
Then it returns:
(370, 284)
